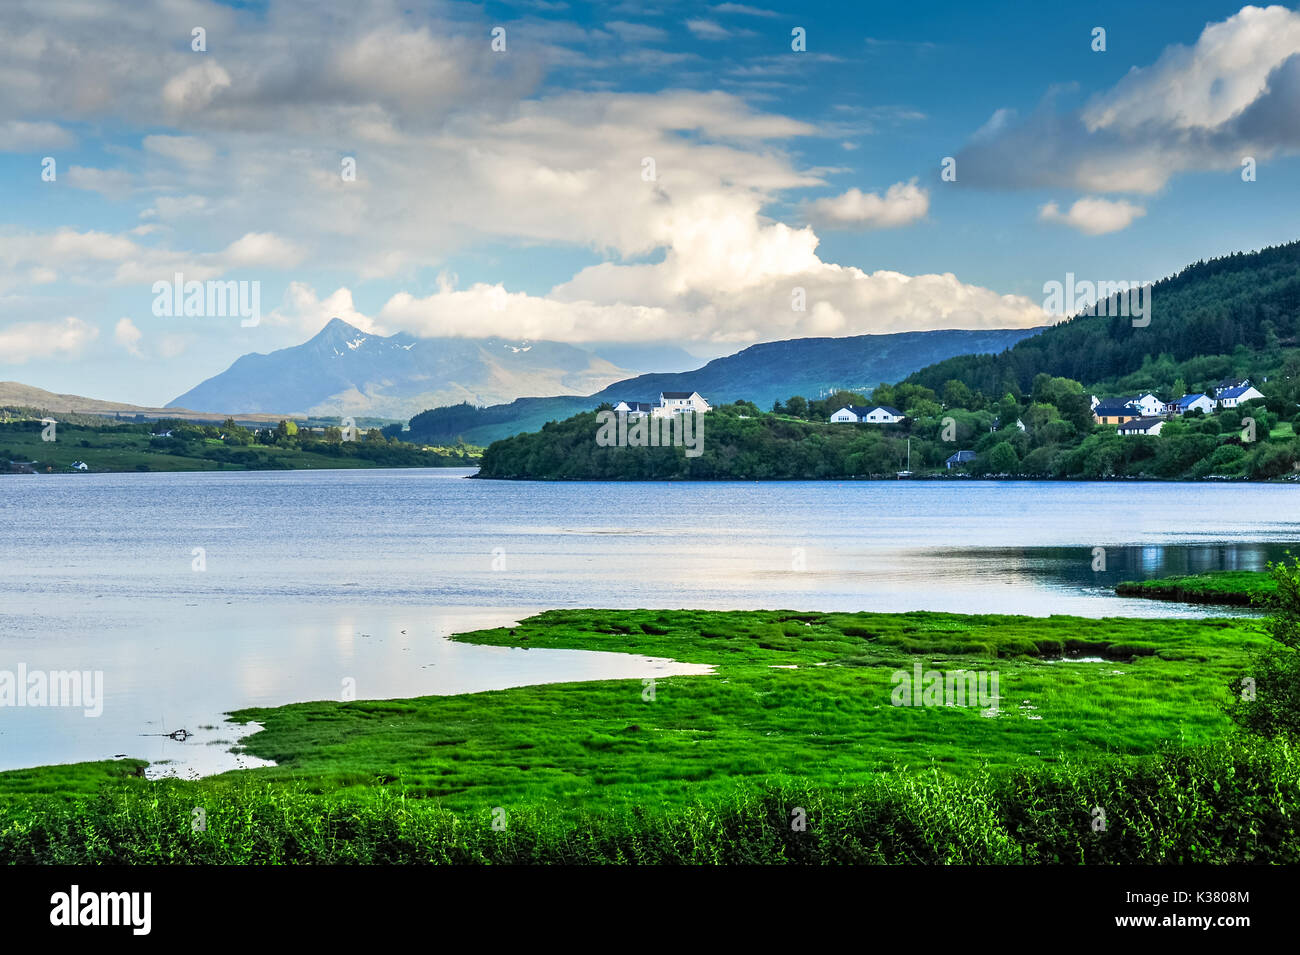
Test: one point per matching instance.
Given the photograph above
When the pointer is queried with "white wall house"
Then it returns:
(870, 414)
(634, 409)
(1238, 395)
(1142, 426)
(680, 402)
(849, 414)
(1149, 404)
(1196, 402)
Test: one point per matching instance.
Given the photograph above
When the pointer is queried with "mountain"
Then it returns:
(763, 374)
(1225, 317)
(343, 370)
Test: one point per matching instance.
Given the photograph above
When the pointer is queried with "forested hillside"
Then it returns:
(1232, 315)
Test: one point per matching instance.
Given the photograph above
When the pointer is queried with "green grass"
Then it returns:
(119, 449)
(594, 771)
(828, 722)
(1244, 588)
(1225, 803)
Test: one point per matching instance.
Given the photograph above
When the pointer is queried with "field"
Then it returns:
(127, 448)
(798, 708)
(1243, 588)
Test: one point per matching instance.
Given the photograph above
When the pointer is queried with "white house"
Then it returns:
(1149, 404)
(1196, 402)
(634, 409)
(680, 402)
(1238, 395)
(1142, 426)
(849, 414)
(79, 466)
(871, 414)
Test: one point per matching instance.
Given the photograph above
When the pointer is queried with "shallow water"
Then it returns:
(313, 579)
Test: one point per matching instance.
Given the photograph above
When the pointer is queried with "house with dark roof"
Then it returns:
(867, 414)
(1197, 402)
(1115, 411)
(1237, 395)
(959, 459)
(1145, 425)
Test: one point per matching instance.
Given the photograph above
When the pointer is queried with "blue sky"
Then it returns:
(502, 192)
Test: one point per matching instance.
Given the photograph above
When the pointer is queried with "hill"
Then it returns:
(1230, 316)
(14, 394)
(762, 374)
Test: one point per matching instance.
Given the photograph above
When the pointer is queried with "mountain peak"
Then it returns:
(336, 326)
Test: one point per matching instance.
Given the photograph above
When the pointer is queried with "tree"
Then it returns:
(1001, 459)
(1267, 700)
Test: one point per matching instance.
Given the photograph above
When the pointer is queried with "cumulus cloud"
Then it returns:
(17, 136)
(23, 341)
(126, 334)
(1234, 93)
(457, 150)
(902, 203)
(1092, 215)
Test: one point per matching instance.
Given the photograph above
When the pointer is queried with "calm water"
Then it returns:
(313, 582)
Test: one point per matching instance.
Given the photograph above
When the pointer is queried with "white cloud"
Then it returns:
(707, 29)
(1234, 93)
(637, 32)
(23, 341)
(188, 150)
(126, 334)
(1093, 216)
(17, 136)
(743, 10)
(109, 183)
(902, 204)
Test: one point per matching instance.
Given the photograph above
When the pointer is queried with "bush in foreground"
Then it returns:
(1234, 801)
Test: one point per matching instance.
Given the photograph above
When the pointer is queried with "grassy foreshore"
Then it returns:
(1239, 588)
(798, 714)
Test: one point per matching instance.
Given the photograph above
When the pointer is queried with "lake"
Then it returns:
(199, 593)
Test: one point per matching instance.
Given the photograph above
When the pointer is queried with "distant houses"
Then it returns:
(959, 459)
(1145, 413)
(670, 403)
(867, 414)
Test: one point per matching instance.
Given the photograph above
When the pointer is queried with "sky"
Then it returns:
(699, 175)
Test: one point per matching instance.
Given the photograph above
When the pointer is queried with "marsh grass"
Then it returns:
(1232, 801)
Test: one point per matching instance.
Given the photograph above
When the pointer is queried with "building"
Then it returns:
(634, 409)
(1116, 411)
(849, 414)
(959, 459)
(670, 403)
(1145, 425)
(1197, 402)
(79, 466)
(870, 414)
(680, 402)
(1237, 394)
